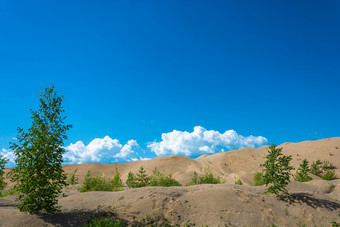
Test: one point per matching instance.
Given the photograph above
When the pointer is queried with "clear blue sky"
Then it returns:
(137, 69)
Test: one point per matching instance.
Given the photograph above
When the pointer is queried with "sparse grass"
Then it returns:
(208, 178)
(258, 179)
(8, 193)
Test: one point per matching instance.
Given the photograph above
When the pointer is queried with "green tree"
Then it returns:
(302, 173)
(277, 171)
(142, 179)
(117, 181)
(39, 152)
(131, 180)
(73, 178)
(3, 162)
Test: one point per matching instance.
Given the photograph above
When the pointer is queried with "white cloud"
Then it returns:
(202, 141)
(10, 156)
(105, 150)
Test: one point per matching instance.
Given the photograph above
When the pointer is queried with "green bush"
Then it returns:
(328, 165)
(239, 182)
(8, 193)
(302, 173)
(72, 178)
(277, 171)
(158, 179)
(329, 175)
(104, 222)
(100, 183)
(316, 168)
(207, 178)
(258, 179)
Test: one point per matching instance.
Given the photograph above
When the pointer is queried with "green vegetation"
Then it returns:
(325, 170)
(208, 178)
(258, 179)
(104, 222)
(72, 178)
(239, 182)
(3, 162)
(302, 173)
(276, 171)
(334, 224)
(101, 183)
(8, 193)
(156, 179)
(39, 175)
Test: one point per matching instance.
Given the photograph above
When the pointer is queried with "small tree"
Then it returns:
(39, 152)
(3, 162)
(277, 171)
(73, 178)
(117, 181)
(302, 173)
(142, 179)
(131, 180)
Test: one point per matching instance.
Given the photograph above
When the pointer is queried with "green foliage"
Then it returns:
(39, 151)
(3, 162)
(72, 178)
(239, 182)
(8, 193)
(316, 168)
(334, 224)
(325, 170)
(302, 173)
(258, 179)
(329, 175)
(207, 178)
(131, 181)
(101, 183)
(277, 171)
(156, 179)
(104, 222)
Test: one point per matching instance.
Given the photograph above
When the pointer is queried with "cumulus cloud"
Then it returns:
(202, 141)
(102, 150)
(10, 156)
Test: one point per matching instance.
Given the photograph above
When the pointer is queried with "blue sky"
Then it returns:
(137, 70)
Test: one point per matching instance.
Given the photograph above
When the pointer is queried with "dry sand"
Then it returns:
(313, 203)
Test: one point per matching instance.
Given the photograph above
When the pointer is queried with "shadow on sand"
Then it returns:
(310, 201)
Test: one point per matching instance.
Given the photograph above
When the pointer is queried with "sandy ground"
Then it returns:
(313, 203)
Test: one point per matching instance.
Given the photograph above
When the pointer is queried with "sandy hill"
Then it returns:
(313, 203)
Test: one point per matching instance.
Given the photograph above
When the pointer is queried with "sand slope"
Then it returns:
(313, 203)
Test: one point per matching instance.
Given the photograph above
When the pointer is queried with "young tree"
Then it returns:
(39, 151)
(302, 173)
(277, 171)
(3, 162)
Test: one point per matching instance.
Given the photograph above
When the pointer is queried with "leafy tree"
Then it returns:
(277, 171)
(39, 151)
(117, 181)
(302, 173)
(3, 162)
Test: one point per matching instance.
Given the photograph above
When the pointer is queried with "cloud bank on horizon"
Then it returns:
(192, 144)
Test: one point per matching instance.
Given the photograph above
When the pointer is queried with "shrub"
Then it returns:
(104, 222)
(100, 183)
(72, 178)
(158, 179)
(277, 171)
(258, 179)
(117, 181)
(8, 193)
(142, 179)
(329, 175)
(39, 175)
(302, 173)
(239, 182)
(131, 180)
(208, 178)
(3, 162)
(328, 165)
(316, 168)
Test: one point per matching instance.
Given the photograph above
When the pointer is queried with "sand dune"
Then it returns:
(313, 203)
